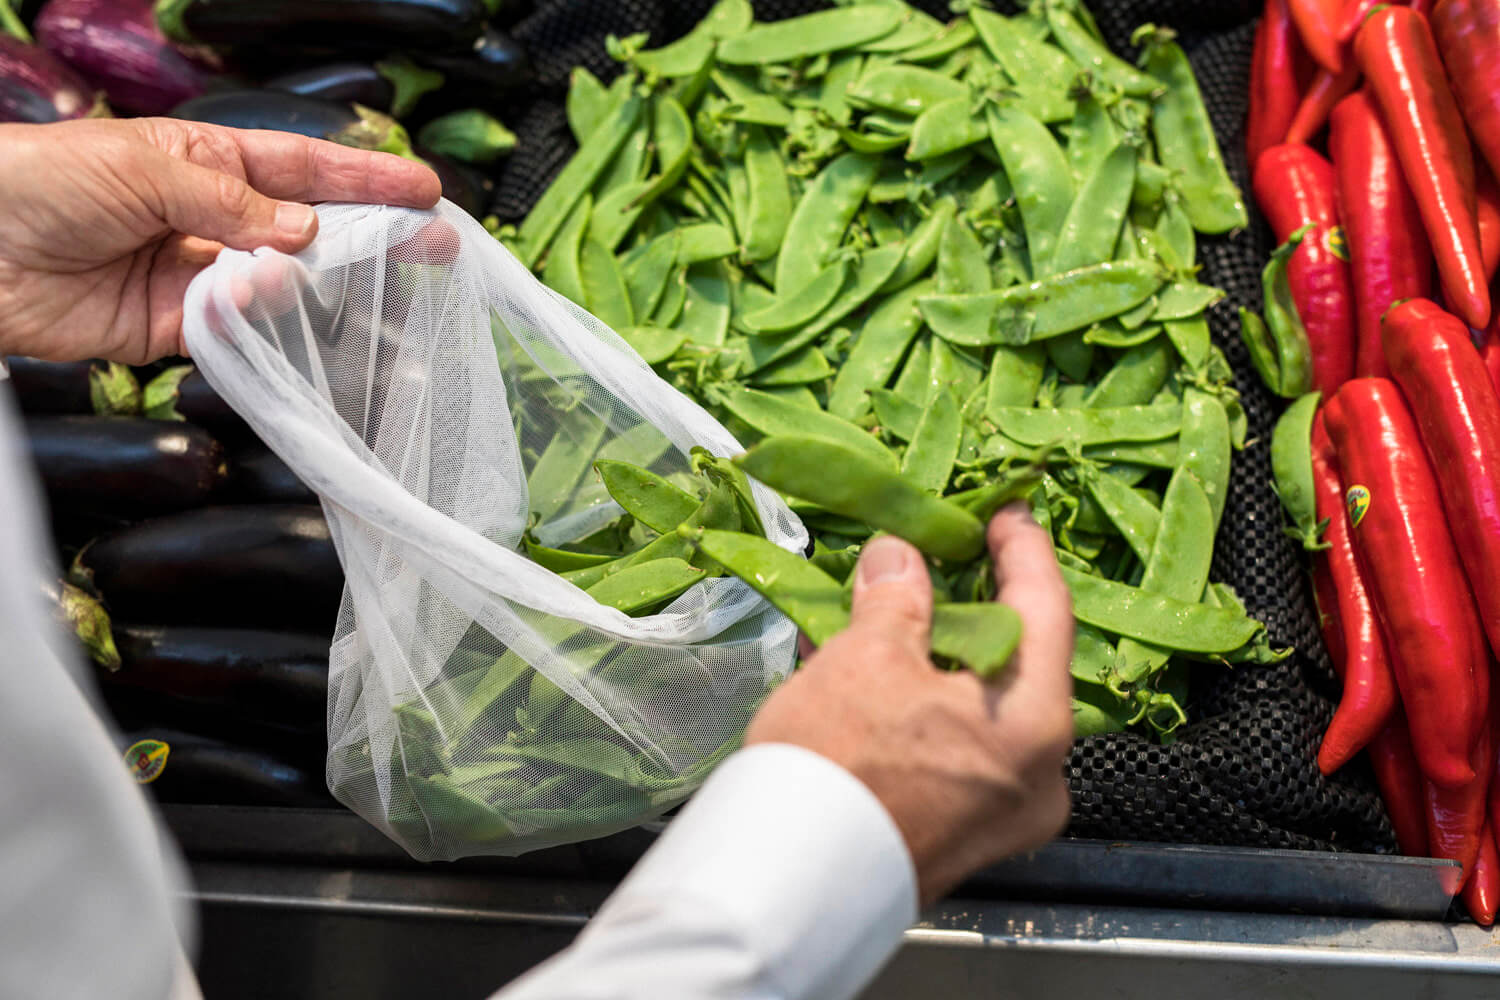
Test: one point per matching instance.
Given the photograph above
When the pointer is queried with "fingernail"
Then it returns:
(883, 559)
(294, 219)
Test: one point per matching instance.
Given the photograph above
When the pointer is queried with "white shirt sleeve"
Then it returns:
(784, 878)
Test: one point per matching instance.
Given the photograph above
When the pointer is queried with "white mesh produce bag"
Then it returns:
(417, 376)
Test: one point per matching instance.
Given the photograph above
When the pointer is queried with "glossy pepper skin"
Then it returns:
(1482, 890)
(1369, 699)
(1279, 73)
(1468, 36)
(1399, 58)
(1458, 413)
(1325, 91)
(1330, 624)
(1401, 786)
(1491, 352)
(1407, 556)
(1487, 214)
(1354, 14)
(1295, 187)
(1318, 23)
(1456, 816)
(1389, 258)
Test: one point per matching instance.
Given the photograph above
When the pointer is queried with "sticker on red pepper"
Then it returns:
(147, 759)
(1337, 243)
(1358, 502)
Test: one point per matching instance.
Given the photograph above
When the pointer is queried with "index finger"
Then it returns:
(1028, 579)
(295, 168)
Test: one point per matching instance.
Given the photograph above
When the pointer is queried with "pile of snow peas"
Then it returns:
(915, 264)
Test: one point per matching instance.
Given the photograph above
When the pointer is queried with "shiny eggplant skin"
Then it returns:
(258, 475)
(50, 386)
(493, 64)
(348, 25)
(277, 678)
(199, 769)
(263, 566)
(268, 109)
(344, 82)
(467, 187)
(117, 47)
(124, 467)
(38, 87)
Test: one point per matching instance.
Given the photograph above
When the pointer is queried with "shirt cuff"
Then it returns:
(801, 858)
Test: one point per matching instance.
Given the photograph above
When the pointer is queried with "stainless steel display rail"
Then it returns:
(305, 904)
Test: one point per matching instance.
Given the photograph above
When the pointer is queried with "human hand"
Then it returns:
(970, 771)
(104, 223)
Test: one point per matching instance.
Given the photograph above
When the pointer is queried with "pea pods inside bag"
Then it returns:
(449, 409)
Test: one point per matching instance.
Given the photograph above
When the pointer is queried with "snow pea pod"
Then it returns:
(560, 560)
(587, 103)
(645, 585)
(833, 94)
(1111, 335)
(562, 464)
(813, 600)
(944, 128)
(561, 272)
(981, 635)
(846, 482)
(954, 36)
(911, 383)
(683, 57)
(822, 214)
(1094, 220)
(1038, 172)
(1048, 307)
(809, 35)
(1192, 339)
(1133, 516)
(672, 133)
(1090, 427)
(962, 267)
(646, 277)
(953, 369)
(776, 417)
(928, 462)
(574, 181)
(770, 198)
(1204, 447)
(1184, 300)
(895, 413)
(907, 89)
(1292, 470)
(872, 271)
(1092, 134)
(647, 497)
(604, 291)
(789, 311)
(1154, 618)
(882, 342)
(654, 344)
(703, 242)
(1036, 67)
(806, 366)
(718, 510)
(1177, 568)
(1088, 51)
(1136, 377)
(1185, 138)
(922, 246)
(917, 28)
(705, 307)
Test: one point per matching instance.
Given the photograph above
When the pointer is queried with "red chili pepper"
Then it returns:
(1369, 697)
(1330, 622)
(1399, 57)
(1295, 186)
(1389, 258)
(1407, 557)
(1456, 816)
(1482, 890)
(1491, 351)
(1401, 786)
(1354, 14)
(1279, 72)
(1326, 90)
(1318, 23)
(1487, 214)
(1457, 408)
(1468, 36)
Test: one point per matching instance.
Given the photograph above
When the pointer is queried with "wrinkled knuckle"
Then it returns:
(233, 197)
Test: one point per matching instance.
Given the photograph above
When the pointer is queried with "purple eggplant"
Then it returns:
(494, 64)
(116, 46)
(344, 82)
(36, 86)
(468, 188)
(347, 25)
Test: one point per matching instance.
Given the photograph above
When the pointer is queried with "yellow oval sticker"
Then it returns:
(1338, 243)
(1357, 499)
(147, 759)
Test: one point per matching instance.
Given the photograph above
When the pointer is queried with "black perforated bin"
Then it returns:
(1244, 772)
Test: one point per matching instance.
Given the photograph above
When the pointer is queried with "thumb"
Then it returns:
(893, 595)
(212, 205)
